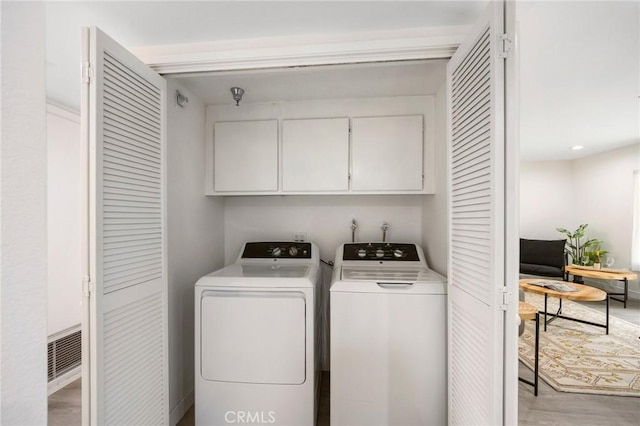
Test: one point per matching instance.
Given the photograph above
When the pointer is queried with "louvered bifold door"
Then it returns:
(127, 237)
(476, 225)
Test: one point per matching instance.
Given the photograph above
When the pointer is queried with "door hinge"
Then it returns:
(87, 286)
(506, 295)
(504, 45)
(349, 177)
(87, 72)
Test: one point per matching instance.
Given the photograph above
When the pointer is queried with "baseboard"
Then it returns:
(181, 409)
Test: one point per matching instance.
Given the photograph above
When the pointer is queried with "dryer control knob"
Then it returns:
(276, 252)
(379, 253)
(398, 253)
(293, 251)
(362, 252)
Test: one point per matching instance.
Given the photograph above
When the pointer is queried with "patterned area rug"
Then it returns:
(581, 358)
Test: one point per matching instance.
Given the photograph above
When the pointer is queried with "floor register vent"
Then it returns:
(64, 358)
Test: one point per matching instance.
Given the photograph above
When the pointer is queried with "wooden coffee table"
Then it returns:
(585, 293)
(604, 274)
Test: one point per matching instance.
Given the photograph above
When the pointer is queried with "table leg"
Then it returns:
(537, 355)
(607, 323)
(545, 312)
(624, 294)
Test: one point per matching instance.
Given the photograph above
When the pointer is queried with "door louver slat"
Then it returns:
(132, 156)
(131, 123)
(117, 126)
(129, 110)
(119, 138)
(472, 89)
(130, 76)
(112, 88)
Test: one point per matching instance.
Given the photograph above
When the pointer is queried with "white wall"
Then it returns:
(195, 238)
(326, 219)
(64, 292)
(23, 232)
(435, 238)
(603, 187)
(546, 199)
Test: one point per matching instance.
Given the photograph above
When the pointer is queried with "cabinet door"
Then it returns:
(246, 156)
(387, 153)
(315, 154)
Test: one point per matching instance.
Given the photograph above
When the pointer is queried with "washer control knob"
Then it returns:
(276, 252)
(293, 251)
(379, 253)
(362, 252)
(398, 253)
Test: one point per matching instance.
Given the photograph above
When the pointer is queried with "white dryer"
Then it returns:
(388, 337)
(255, 335)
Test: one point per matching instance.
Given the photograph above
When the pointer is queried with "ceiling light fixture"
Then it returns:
(237, 93)
(577, 147)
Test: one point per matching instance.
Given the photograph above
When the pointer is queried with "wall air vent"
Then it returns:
(64, 357)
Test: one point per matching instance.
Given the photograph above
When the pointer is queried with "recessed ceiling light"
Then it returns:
(577, 147)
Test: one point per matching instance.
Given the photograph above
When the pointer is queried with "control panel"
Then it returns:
(380, 251)
(276, 250)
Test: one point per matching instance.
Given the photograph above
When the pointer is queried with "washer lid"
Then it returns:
(389, 280)
(389, 274)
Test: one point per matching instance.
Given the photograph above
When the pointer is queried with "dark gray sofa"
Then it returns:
(543, 257)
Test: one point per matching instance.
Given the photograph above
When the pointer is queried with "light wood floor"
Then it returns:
(548, 408)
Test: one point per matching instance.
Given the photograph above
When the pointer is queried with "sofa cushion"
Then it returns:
(543, 270)
(542, 252)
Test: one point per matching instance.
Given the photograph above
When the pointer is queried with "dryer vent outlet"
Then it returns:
(299, 236)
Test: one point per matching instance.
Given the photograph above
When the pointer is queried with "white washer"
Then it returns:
(256, 346)
(388, 337)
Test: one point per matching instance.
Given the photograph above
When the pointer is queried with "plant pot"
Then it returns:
(596, 265)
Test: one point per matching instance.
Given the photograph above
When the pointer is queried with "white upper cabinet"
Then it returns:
(387, 153)
(315, 155)
(326, 146)
(246, 156)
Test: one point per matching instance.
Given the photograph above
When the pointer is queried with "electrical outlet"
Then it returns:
(299, 236)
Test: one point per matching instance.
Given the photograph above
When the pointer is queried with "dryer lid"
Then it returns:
(263, 271)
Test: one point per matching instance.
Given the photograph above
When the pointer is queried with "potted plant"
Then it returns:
(595, 257)
(581, 252)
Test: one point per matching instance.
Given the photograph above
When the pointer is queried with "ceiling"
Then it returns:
(149, 23)
(579, 78)
(579, 61)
